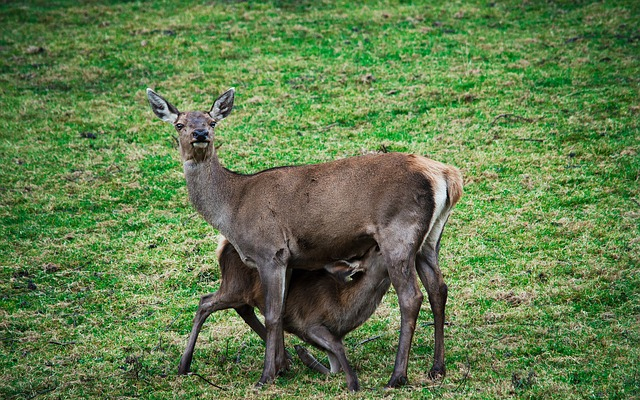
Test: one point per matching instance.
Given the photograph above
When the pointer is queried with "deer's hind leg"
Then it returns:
(429, 271)
(322, 338)
(310, 361)
(403, 277)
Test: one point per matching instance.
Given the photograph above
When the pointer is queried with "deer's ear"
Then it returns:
(162, 108)
(223, 105)
(343, 271)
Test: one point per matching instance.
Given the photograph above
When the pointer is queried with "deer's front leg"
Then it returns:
(274, 281)
(205, 309)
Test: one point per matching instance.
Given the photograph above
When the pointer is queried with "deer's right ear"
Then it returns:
(162, 108)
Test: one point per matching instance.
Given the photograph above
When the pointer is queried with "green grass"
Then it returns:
(103, 260)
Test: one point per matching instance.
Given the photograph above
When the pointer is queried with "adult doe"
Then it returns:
(311, 215)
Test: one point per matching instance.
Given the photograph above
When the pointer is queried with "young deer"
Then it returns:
(318, 308)
(311, 215)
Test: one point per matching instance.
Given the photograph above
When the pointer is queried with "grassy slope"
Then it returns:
(102, 259)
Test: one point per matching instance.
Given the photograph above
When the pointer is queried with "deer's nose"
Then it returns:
(200, 135)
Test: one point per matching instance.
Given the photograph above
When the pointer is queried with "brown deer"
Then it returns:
(312, 215)
(320, 308)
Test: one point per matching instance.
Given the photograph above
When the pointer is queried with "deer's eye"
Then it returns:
(212, 124)
(179, 126)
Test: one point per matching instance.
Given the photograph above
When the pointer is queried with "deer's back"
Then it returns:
(334, 210)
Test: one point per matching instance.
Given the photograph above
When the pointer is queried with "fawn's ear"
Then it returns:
(223, 105)
(343, 271)
(162, 108)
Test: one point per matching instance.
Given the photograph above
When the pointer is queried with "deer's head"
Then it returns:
(195, 128)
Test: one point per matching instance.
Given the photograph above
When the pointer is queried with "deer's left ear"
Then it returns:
(223, 105)
(162, 108)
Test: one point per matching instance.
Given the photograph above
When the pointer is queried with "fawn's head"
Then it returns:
(195, 128)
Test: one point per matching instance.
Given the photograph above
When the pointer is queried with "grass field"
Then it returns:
(103, 260)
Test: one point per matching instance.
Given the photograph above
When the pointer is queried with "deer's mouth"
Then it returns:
(201, 144)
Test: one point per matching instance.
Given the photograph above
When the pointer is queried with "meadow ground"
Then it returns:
(103, 260)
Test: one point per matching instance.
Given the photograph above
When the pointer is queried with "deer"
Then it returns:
(321, 307)
(308, 216)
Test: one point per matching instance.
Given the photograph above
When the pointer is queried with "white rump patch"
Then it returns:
(439, 217)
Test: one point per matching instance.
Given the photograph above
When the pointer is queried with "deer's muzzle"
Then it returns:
(200, 138)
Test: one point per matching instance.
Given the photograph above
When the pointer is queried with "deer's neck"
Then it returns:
(211, 189)
(359, 301)
(376, 282)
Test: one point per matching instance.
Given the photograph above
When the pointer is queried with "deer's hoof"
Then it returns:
(183, 369)
(437, 373)
(266, 379)
(283, 367)
(397, 381)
